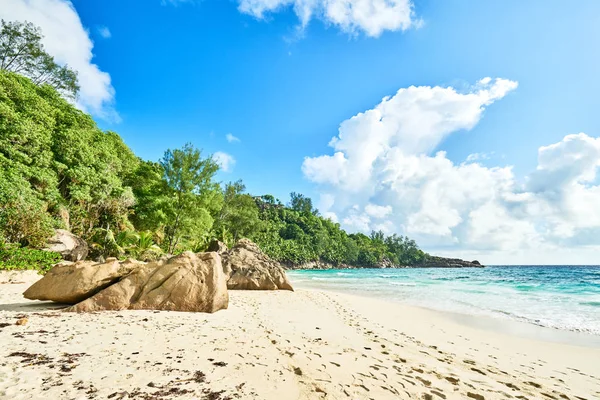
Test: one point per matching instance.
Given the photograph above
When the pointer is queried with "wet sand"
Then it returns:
(279, 345)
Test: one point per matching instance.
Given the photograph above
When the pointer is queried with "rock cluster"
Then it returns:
(187, 282)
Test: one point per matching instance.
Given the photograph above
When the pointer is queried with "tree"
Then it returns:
(22, 52)
(302, 204)
(191, 190)
(151, 194)
(239, 215)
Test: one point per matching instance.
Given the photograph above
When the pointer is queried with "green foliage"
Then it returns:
(297, 234)
(23, 218)
(21, 51)
(191, 195)
(151, 194)
(13, 257)
(144, 248)
(301, 203)
(239, 215)
(68, 172)
(58, 169)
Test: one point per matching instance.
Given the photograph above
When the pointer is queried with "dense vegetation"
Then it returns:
(59, 170)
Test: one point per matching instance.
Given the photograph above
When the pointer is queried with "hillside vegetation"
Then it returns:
(59, 170)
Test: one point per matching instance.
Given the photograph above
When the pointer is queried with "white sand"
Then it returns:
(278, 345)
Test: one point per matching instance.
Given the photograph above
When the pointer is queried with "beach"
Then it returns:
(307, 344)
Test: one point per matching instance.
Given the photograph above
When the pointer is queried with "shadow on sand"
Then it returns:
(32, 306)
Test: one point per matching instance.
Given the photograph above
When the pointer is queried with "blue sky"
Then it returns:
(196, 71)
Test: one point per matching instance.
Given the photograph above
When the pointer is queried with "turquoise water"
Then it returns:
(562, 297)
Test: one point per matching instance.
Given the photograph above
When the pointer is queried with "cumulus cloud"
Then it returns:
(225, 161)
(413, 121)
(371, 17)
(232, 139)
(385, 173)
(68, 42)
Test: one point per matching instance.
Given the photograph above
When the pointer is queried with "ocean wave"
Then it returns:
(527, 287)
(402, 283)
(590, 303)
(335, 279)
(450, 278)
(476, 291)
(563, 325)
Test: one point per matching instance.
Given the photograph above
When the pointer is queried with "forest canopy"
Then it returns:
(59, 170)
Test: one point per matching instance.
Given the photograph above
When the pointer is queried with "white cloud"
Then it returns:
(68, 42)
(232, 139)
(104, 32)
(414, 121)
(369, 16)
(225, 161)
(384, 174)
(376, 211)
(479, 156)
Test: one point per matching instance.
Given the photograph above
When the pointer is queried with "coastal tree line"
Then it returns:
(59, 170)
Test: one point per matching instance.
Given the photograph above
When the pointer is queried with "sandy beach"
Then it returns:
(306, 344)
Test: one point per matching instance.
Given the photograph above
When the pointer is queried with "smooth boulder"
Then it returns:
(71, 247)
(71, 283)
(187, 282)
(251, 269)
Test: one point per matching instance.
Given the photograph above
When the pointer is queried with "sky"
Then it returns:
(471, 127)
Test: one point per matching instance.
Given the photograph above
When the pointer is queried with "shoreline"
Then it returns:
(513, 301)
(308, 344)
(521, 329)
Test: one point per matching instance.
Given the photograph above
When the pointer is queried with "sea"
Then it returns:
(560, 297)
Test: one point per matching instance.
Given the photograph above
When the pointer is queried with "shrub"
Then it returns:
(13, 257)
(23, 218)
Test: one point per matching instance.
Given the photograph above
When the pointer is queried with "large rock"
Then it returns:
(71, 283)
(251, 269)
(70, 247)
(187, 282)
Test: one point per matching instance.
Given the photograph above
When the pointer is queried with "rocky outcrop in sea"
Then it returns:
(441, 262)
(430, 262)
